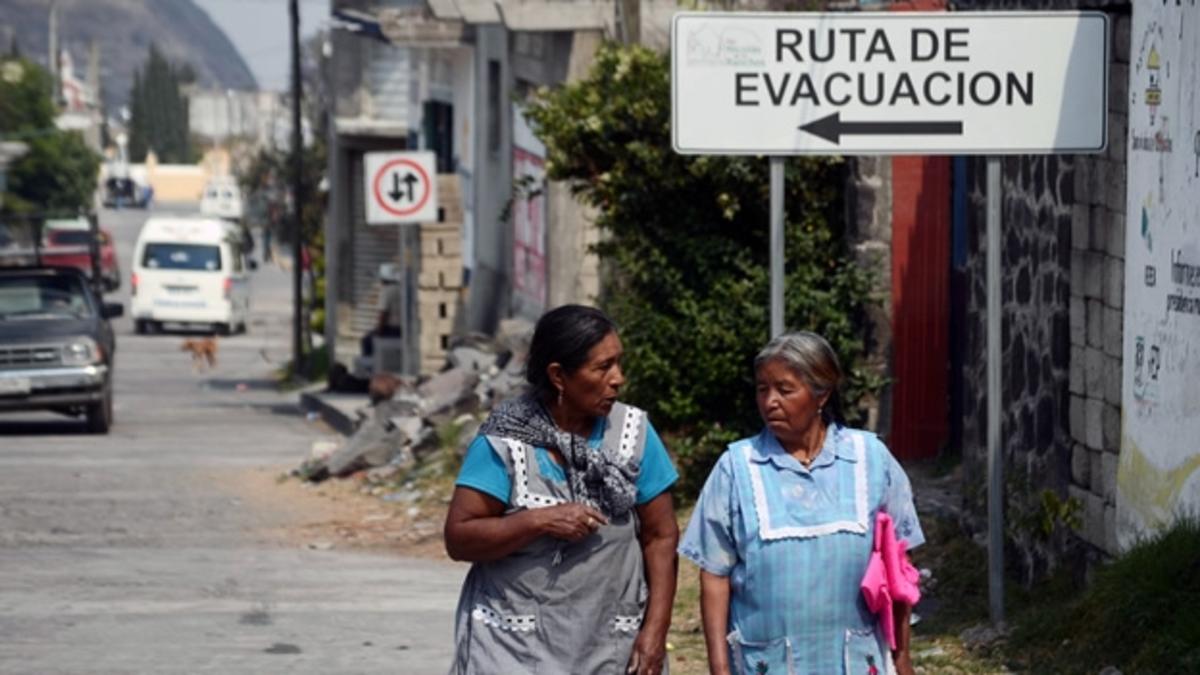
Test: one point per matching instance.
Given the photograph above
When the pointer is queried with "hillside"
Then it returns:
(124, 30)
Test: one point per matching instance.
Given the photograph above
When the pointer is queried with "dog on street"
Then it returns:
(203, 351)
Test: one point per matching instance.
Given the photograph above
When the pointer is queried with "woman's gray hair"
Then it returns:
(809, 356)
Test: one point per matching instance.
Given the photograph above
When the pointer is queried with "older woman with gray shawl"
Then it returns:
(562, 505)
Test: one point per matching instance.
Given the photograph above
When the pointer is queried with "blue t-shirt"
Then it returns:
(483, 469)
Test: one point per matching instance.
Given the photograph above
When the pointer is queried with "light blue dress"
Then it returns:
(795, 544)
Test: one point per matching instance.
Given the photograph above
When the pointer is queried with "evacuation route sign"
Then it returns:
(889, 83)
(401, 187)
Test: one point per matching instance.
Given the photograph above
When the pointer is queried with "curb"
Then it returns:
(311, 401)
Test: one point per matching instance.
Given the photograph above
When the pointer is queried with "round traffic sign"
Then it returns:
(410, 185)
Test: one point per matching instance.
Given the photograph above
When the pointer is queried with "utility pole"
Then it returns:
(300, 367)
(52, 62)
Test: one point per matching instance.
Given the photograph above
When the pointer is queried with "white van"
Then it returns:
(222, 198)
(189, 271)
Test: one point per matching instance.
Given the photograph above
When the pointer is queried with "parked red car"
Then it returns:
(70, 247)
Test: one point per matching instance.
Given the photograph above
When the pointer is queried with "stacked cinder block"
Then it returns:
(440, 282)
(1097, 313)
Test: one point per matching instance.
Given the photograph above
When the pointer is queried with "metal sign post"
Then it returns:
(776, 246)
(995, 466)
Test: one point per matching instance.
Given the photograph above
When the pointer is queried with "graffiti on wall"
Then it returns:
(1159, 473)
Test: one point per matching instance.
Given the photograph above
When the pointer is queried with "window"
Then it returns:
(165, 256)
(494, 109)
(48, 296)
(70, 237)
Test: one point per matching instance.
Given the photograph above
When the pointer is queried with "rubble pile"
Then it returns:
(408, 418)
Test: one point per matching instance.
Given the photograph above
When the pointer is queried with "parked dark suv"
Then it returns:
(56, 345)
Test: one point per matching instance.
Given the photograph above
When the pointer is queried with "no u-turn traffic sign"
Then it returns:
(401, 187)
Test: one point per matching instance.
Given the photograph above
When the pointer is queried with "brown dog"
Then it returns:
(203, 350)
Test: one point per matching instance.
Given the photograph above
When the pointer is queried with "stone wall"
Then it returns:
(869, 233)
(1062, 280)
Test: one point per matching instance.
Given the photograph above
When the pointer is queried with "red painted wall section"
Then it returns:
(920, 296)
(920, 305)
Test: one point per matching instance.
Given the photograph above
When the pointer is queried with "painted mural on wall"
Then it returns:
(1159, 473)
(528, 213)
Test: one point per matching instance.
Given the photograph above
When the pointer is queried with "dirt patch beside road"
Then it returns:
(333, 514)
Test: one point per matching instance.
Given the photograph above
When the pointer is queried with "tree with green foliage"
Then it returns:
(159, 111)
(58, 172)
(267, 182)
(686, 252)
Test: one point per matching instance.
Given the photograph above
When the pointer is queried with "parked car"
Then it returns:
(67, 243)
(122, 192)
(56, 344)
(190, 271)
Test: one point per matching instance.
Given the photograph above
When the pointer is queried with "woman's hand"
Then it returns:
(903, 662)
(649, 652)
(477, 528)
(570, 522)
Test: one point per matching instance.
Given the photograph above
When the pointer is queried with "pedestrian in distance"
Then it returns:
(267, 253)
(562, 505)
(784, 529)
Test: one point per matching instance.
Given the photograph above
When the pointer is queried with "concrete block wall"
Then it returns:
(1096, 314)
(440, 293)
(1062, 286)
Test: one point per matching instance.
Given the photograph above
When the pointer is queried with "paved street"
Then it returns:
(131, 553)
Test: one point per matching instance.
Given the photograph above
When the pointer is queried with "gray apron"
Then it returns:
(554, 607)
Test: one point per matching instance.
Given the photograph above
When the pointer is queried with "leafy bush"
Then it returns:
(686, 252)
(58, 172)
(1138, 614)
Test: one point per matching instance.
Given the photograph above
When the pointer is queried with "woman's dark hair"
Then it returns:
(564, 335)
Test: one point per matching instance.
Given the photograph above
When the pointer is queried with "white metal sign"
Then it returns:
(889, 83)
(401, 187)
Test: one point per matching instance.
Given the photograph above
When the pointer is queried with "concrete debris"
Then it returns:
(448, 394)
(409, 419)
(514, 336)
(323, 448)
(471, 359)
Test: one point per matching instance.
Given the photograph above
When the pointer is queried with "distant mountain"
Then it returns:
(124, 30)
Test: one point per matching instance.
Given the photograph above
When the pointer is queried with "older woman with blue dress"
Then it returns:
(562, 506)
(784, 529)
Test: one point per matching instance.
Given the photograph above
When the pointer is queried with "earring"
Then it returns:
(560, 392)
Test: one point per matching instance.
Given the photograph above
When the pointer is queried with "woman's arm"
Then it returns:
(477, 530)
(900, 655)
(659, 536)
(714, 609)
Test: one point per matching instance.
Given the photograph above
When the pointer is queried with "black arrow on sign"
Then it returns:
(831, 128)
(409, 180)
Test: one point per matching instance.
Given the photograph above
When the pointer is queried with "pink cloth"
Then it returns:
(890, 576)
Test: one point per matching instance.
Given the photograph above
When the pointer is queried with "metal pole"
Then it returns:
(995, 455)
(299, 366)
(776, 246)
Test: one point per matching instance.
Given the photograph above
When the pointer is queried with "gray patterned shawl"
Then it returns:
(596, 477)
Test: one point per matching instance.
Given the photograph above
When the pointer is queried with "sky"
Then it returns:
(260, 31)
